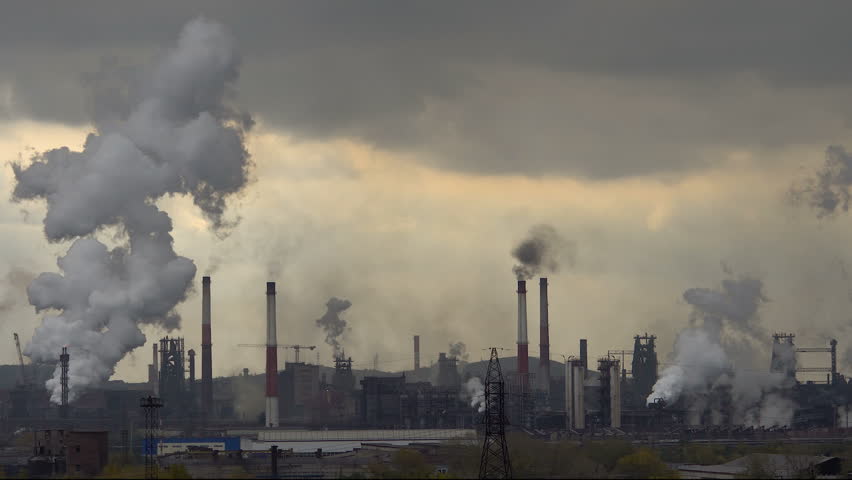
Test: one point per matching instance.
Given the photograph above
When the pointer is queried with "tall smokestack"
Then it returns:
(193, 400)
(271, 359)
(156, 386)
(544, 361)
(63, 379)
(206, 351)
(584, 352)
(523, 343)
(416, 352)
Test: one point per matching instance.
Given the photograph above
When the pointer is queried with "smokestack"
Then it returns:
(206, 351)
(544, 361)
(416, 352)
(584, 352)
(191, 354)
(156, 386)
(63, 379)
(523, 343)
(271, 359)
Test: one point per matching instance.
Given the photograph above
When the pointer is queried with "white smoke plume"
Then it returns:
(178, 138)
(711, 374)
(475, 391)
(459, 350)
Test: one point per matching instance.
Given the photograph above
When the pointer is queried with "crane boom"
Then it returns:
(20, 359)
(288, 347)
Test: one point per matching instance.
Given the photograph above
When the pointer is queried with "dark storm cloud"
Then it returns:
(441, 78)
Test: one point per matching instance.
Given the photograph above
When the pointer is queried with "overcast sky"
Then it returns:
(401, 150)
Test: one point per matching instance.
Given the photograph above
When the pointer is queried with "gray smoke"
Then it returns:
(542, 251)
(709, 370)
(332, 324)
(16, 282)
(179, 138)
(737, 301)
(459, 351)
(828, 190)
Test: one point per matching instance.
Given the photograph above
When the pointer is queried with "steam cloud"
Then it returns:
(475, 391)
(708, 373)
(180, 137)
(459, 351)
(332, 324)
(828, 191)
(542, 250)
(16, 282)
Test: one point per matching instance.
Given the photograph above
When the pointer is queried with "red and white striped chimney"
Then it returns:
(544, 360)
(523, 343)
(206, 351)
(271, 359)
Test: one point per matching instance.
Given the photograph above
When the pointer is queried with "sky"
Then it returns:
(400, 151)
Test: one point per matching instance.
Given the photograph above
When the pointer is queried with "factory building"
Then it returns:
(298, 386)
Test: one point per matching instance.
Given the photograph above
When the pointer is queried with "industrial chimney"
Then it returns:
(416, 352)
(63, 382)
(544, 361)
(191, 389)
(206, 351)
(584, 352)
(271, 359)
(523, 343)
(156, 386)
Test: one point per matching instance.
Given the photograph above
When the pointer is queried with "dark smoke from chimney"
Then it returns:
(828, 190)
(332, 324)
(542, 250)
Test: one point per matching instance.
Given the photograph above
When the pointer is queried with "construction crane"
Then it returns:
(296, 348)
(23, 379)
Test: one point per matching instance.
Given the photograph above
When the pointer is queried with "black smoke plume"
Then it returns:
(332, 324)
(827, 192)
(542, 250)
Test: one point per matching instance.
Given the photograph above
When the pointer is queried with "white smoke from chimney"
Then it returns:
(708, 364)
(180, 138)
(474, 390)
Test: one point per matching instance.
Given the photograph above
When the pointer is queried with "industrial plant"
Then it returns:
(307, 404)
(386, 152)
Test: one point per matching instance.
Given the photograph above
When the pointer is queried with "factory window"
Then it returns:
(77, 449)
(77, 467)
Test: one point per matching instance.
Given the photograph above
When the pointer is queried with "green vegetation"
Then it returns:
(406, 463)
(644, 463)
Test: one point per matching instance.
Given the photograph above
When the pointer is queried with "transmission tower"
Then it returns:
(495, 454)
(151, 406)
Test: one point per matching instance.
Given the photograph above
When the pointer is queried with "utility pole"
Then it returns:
(495, 461)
